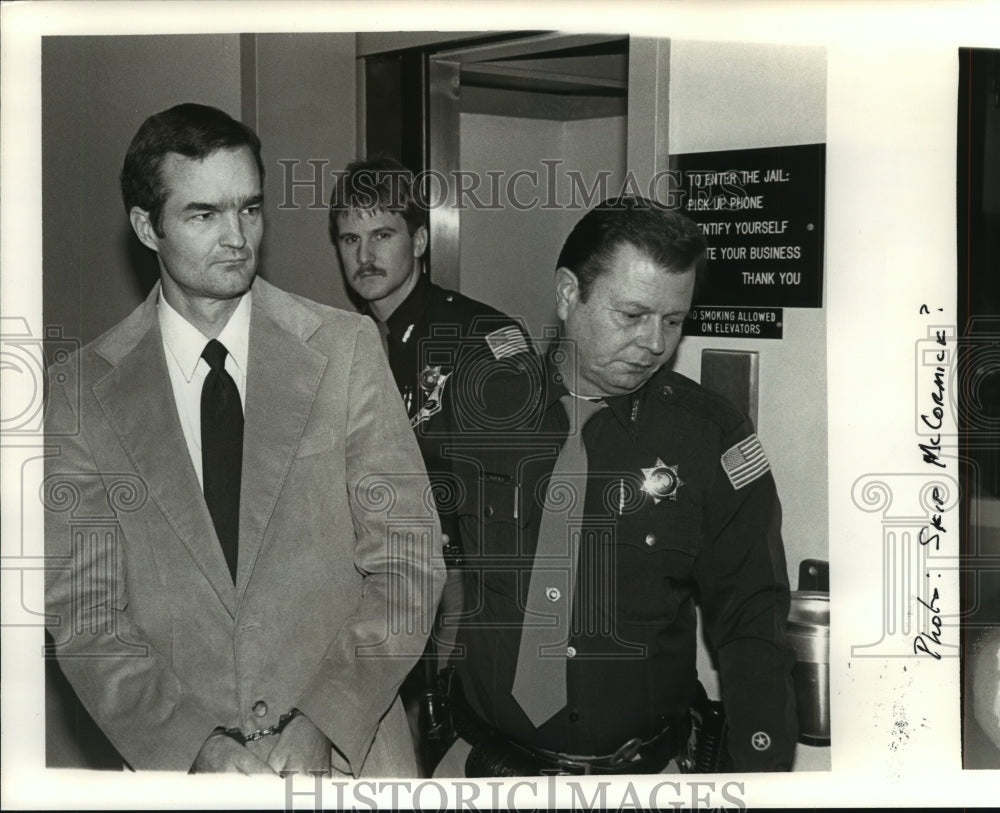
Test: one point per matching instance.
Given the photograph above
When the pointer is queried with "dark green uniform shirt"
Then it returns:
(645, 558)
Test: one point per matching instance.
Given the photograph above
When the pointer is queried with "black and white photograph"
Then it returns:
(442, 408)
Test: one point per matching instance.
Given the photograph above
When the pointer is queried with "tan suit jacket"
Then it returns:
(339, 553)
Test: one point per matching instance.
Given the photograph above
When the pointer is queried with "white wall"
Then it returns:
(738, 95)
(306, 107)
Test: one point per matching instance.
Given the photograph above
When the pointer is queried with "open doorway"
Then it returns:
(530, 133)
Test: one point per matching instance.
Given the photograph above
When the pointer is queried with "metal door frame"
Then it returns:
(443, 135)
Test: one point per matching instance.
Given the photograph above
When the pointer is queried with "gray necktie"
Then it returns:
(383, 334)
(540, 678)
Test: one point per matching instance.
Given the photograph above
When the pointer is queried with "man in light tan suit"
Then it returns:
(267, 629)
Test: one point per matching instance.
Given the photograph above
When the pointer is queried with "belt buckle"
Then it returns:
(627, 753)
(571, 767)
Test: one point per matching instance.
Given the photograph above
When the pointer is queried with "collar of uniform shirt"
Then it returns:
(620, 405)
(409, 312)
(185, 342)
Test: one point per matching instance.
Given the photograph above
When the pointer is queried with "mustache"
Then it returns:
(369, 268)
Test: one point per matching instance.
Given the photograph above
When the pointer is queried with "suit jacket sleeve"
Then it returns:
(397, 550)
(129, 687)
(745, 600)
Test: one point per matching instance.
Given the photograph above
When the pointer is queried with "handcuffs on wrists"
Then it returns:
(260, 733)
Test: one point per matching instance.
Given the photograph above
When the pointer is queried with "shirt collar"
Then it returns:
(185, 342)
(408, 311)
(625, 407)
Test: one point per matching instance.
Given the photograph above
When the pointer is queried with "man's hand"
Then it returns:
(221, 753)
(301, 747)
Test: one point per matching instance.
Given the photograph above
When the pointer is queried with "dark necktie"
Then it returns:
(222, 450)
(540, 677)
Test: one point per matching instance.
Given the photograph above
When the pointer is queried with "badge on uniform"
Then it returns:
(507, 341)
(745, 462)
(432, 382)
(661, 481)
(429, 378)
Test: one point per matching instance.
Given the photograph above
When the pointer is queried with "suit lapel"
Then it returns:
(139, 402)
(282, 380)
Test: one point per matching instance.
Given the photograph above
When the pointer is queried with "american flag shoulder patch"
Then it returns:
(507, 341)
(745, 462)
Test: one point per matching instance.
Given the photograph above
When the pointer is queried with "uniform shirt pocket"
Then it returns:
(492, 528)
(655, 553)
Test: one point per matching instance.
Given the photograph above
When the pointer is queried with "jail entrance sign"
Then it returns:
(761, 212)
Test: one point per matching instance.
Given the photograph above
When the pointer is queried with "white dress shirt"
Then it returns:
(183, 344)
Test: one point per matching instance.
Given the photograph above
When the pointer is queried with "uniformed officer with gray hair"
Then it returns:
(604, 495)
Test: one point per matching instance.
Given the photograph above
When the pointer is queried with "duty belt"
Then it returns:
(495, 754)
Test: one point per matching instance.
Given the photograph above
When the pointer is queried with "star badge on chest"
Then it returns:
(432, 382)
(661, 481)
(429, 378)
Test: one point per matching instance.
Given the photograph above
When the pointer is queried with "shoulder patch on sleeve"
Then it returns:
(507, 341)
(745, 462)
